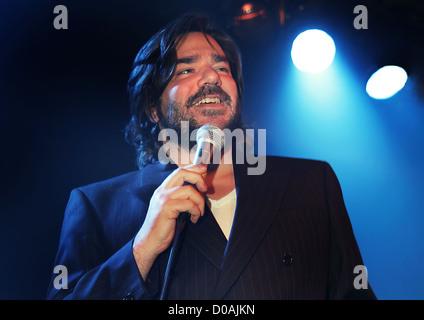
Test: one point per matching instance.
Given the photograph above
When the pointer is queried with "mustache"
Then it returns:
(206, 91)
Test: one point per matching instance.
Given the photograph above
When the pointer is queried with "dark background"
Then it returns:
(63, 107)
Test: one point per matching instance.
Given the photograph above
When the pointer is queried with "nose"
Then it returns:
(209, 77)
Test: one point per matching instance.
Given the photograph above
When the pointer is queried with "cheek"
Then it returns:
(176, 93)
(167, 96)
(232, 90)
(173, 93)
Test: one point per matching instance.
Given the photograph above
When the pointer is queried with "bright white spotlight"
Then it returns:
(386, 82)
(313, 51)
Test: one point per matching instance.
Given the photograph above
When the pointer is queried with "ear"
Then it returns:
(153, 115)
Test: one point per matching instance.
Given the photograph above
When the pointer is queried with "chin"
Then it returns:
(220, 123)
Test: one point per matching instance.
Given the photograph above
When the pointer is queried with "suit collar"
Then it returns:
(156, 173)
(151, 176)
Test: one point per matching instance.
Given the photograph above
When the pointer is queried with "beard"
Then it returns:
(177, 112)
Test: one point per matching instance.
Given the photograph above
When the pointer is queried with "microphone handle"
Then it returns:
(173, 253)
(181, 221)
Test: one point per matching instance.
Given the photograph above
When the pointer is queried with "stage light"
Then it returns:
(250, 11)
(313, 51)
(386, 82)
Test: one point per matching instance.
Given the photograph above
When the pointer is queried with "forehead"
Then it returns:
(198, 43)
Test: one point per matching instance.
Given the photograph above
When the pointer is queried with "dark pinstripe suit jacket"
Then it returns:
(291, 239)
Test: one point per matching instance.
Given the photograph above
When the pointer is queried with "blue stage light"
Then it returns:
(386, 82)
(313, 51)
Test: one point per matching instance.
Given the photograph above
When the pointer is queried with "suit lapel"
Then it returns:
(251, 222)
(207, 237)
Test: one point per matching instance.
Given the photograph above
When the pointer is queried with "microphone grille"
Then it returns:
(211, 134)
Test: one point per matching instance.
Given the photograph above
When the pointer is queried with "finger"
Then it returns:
(191, 175)
(176, 206)
(199, 168)
(189, 192)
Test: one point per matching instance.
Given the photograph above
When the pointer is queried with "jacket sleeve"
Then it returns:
(92, 271)
(344, 250)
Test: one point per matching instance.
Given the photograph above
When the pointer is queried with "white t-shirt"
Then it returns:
(223, 210)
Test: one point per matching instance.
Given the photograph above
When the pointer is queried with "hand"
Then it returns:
(168, 200)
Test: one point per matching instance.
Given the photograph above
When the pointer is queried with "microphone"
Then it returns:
(210, 140)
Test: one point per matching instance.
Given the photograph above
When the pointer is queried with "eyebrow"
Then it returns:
(195, 58)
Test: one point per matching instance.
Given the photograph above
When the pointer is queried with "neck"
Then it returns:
(220, 178)
(220, 181)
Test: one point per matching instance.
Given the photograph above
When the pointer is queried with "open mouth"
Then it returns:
(212, 96)
(207, 101)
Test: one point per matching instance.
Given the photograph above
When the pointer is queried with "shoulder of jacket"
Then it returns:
(295, 162)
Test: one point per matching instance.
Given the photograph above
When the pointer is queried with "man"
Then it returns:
(282, 234)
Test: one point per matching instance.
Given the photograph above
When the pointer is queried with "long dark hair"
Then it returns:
(152, 70)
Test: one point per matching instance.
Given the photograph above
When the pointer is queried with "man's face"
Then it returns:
(202, 89)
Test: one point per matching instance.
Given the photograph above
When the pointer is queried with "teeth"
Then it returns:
(208, 100)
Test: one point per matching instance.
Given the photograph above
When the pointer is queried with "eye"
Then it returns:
(185, 71)
(222, 69)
